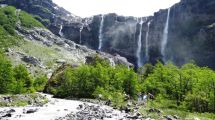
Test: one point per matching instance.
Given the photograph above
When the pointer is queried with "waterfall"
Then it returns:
(60, 31)
(139, 45)
(80, 39)
(147, 42)
(165, 37)
(101, 32)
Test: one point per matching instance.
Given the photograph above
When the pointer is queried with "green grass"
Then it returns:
(167, 108)
(9, 18)
(29, 21)
(22, 100)
(46, 54)
(6, 40)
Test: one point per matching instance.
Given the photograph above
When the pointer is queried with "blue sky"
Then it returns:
(137, 8)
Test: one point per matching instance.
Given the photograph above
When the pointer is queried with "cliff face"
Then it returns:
(190, 34)
(191, 31)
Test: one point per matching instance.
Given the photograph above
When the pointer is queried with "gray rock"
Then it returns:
(7, 115)
(31, 60)
(31, 111)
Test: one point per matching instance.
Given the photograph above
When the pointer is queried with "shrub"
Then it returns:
(6, 76)
(40, 82)
(23, 79)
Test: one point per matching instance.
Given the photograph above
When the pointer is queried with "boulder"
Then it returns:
(31, 60)
(31, 111)
(7, 115)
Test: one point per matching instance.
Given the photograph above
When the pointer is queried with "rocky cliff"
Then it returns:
(190, 35)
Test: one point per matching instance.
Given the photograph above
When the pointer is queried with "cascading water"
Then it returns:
(60, 31)
(139, 45)
(101, 32)
(80, 39)
(165, 37)
(147, 42)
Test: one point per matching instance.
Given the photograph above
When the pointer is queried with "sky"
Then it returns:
(137, 8)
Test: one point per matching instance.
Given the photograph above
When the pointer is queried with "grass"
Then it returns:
(9, 17)
(23, 100)
(29, 21)
(6, 40)
(167, 109)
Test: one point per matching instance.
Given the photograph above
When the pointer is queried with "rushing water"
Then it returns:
(139, 45)
(147, 42)
(60, 31)
(101, 32)
(165, 37)
(80, 39)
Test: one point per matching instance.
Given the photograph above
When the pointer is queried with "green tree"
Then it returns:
(40, 82)
(6, 76)
(24, 80)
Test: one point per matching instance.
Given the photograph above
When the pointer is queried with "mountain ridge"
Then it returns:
(120, 33)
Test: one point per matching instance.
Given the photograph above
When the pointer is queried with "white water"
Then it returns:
(101, 32)
(147, 42)
(80, 39)
(54, 109)
(165, 37)
(60, 31)
(139, 45)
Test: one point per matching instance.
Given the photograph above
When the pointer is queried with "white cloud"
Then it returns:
(138, 8)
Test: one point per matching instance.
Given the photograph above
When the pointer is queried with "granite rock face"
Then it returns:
(191, 30)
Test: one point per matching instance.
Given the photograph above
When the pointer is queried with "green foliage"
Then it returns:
(190, 86)
(6, 76)
(40, 82)
(43, 21)
(87, 81)
(14, 80)
(9, 17)
(23, 79)
(29, 21)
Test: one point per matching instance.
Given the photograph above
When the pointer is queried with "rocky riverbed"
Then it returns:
(61, 109)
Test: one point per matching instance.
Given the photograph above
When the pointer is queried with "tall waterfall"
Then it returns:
(60, 31)
(147, 42)
(139, 45)
(80, 39)
(101, 32)
(165, 37)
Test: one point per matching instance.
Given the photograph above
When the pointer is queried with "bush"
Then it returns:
(96, 78)
(6, 76)
(28, 20)
(40, 82)
(190, 86)
(23, 79)
(14, 80)
(9, 29)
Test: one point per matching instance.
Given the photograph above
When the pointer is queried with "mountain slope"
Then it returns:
(26, 41)
(191, 31)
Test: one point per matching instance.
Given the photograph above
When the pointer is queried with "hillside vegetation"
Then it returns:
(16, 79)
(10, 18)
(187, 88)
